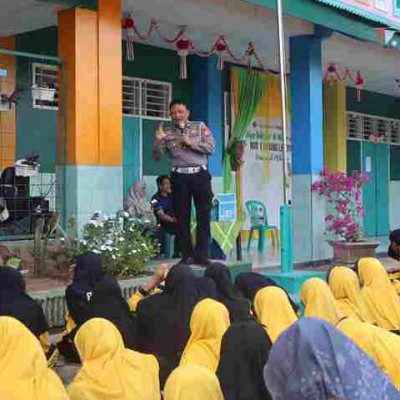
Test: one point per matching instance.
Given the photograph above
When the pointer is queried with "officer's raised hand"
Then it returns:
(160, 134)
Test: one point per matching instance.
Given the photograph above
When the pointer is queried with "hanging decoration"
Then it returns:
(185, 46)
(332, 74)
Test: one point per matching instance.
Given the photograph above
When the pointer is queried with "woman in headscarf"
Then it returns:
(135, 203)
(313, 360)
(109, 370)
(163, 318)
(345, 288)
(93, 295)
(245, 349)
(206, 289)
(237, 305)
(209, 322)
(381, 345)
(379, 294)
(24, 373)
(274, 311)
(319, 302)
(14, 302)
(249, 283)
(108, 302)
(192, 382)
(87, 273)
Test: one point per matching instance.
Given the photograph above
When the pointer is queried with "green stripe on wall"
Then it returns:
(89, 4)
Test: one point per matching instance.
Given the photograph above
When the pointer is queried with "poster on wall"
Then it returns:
(263, 154)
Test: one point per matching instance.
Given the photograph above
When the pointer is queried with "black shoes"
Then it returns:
(197, 260)
(201, 261)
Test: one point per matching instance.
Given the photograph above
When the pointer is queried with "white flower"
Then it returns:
(62, 240)
(84, 242)
(103, 247)
(113, 257)
(96, 251)
(134, 251)
(121, 239)
(125, 214)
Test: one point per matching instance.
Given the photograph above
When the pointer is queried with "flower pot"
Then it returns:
(347, 253)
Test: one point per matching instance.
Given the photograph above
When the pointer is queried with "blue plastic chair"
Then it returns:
(259, 222)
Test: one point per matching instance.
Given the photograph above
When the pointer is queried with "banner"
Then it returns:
(263, 155)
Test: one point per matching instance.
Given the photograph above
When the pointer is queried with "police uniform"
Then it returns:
(190, 178)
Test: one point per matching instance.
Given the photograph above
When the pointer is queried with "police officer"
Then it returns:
(188, 145)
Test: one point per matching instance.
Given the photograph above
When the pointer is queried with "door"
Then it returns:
(132, 169)
(375, 162)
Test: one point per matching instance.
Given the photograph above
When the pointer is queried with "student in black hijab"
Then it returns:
(206, 289)
(14, 302)
(87, 273)
(108, 302)
(237, 305)
(245, 349)
(394, 246)
(163, 318)
(91, 295)
(249, 283)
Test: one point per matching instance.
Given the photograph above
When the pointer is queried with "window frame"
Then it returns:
(142, 81)
(34, 98)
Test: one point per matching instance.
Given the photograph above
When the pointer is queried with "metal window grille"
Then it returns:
(146, 98)
(363, 126)
(45, 93)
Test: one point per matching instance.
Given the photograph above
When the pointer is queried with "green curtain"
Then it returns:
(251, 87)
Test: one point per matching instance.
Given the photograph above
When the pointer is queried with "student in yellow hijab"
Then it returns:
(382, 346)
(109, 371)
(274, 311)
(209, 321)
(345, 288)
(23, 367)
(192, 382)
(379, 294)
(319, 302)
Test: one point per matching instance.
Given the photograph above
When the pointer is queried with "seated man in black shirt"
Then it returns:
(164, 212)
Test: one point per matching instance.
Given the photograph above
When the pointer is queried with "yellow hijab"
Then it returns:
(209, 322)
(382, 346)
(379, 294)
(345, 288)
(274, 311)
(23, 367)
(319, 302)
(191, 381)
(109, 371)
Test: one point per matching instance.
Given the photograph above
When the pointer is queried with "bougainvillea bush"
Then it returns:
(345, 193)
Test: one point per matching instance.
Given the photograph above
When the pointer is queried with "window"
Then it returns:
(381, 5)
(146, 98)
(362, 126)
(45, 86)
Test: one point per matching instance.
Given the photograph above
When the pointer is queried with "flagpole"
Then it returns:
(286, 210)
(282, 71)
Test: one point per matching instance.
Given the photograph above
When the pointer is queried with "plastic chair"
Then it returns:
(259, 222)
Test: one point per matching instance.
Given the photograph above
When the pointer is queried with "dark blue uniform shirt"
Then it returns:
(164, 203)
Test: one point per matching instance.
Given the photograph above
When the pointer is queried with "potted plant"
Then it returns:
(345, 195)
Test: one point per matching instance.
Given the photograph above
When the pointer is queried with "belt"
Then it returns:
(189, 170)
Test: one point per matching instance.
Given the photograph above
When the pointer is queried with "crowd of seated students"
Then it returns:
(181, 337)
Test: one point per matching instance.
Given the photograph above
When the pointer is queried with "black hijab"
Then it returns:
(14, 302)
(237, 305)
(206, 289)
(108, 302)
(249, 283)
(163, 319)
(87, 273)
(245, 349)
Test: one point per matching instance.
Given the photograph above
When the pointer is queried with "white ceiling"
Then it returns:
(19, 16)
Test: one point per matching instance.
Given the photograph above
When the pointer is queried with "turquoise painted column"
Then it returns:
(306, 84)
(207, 106)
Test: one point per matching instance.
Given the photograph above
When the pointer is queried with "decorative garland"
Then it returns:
(332, 74)
(185, 46)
